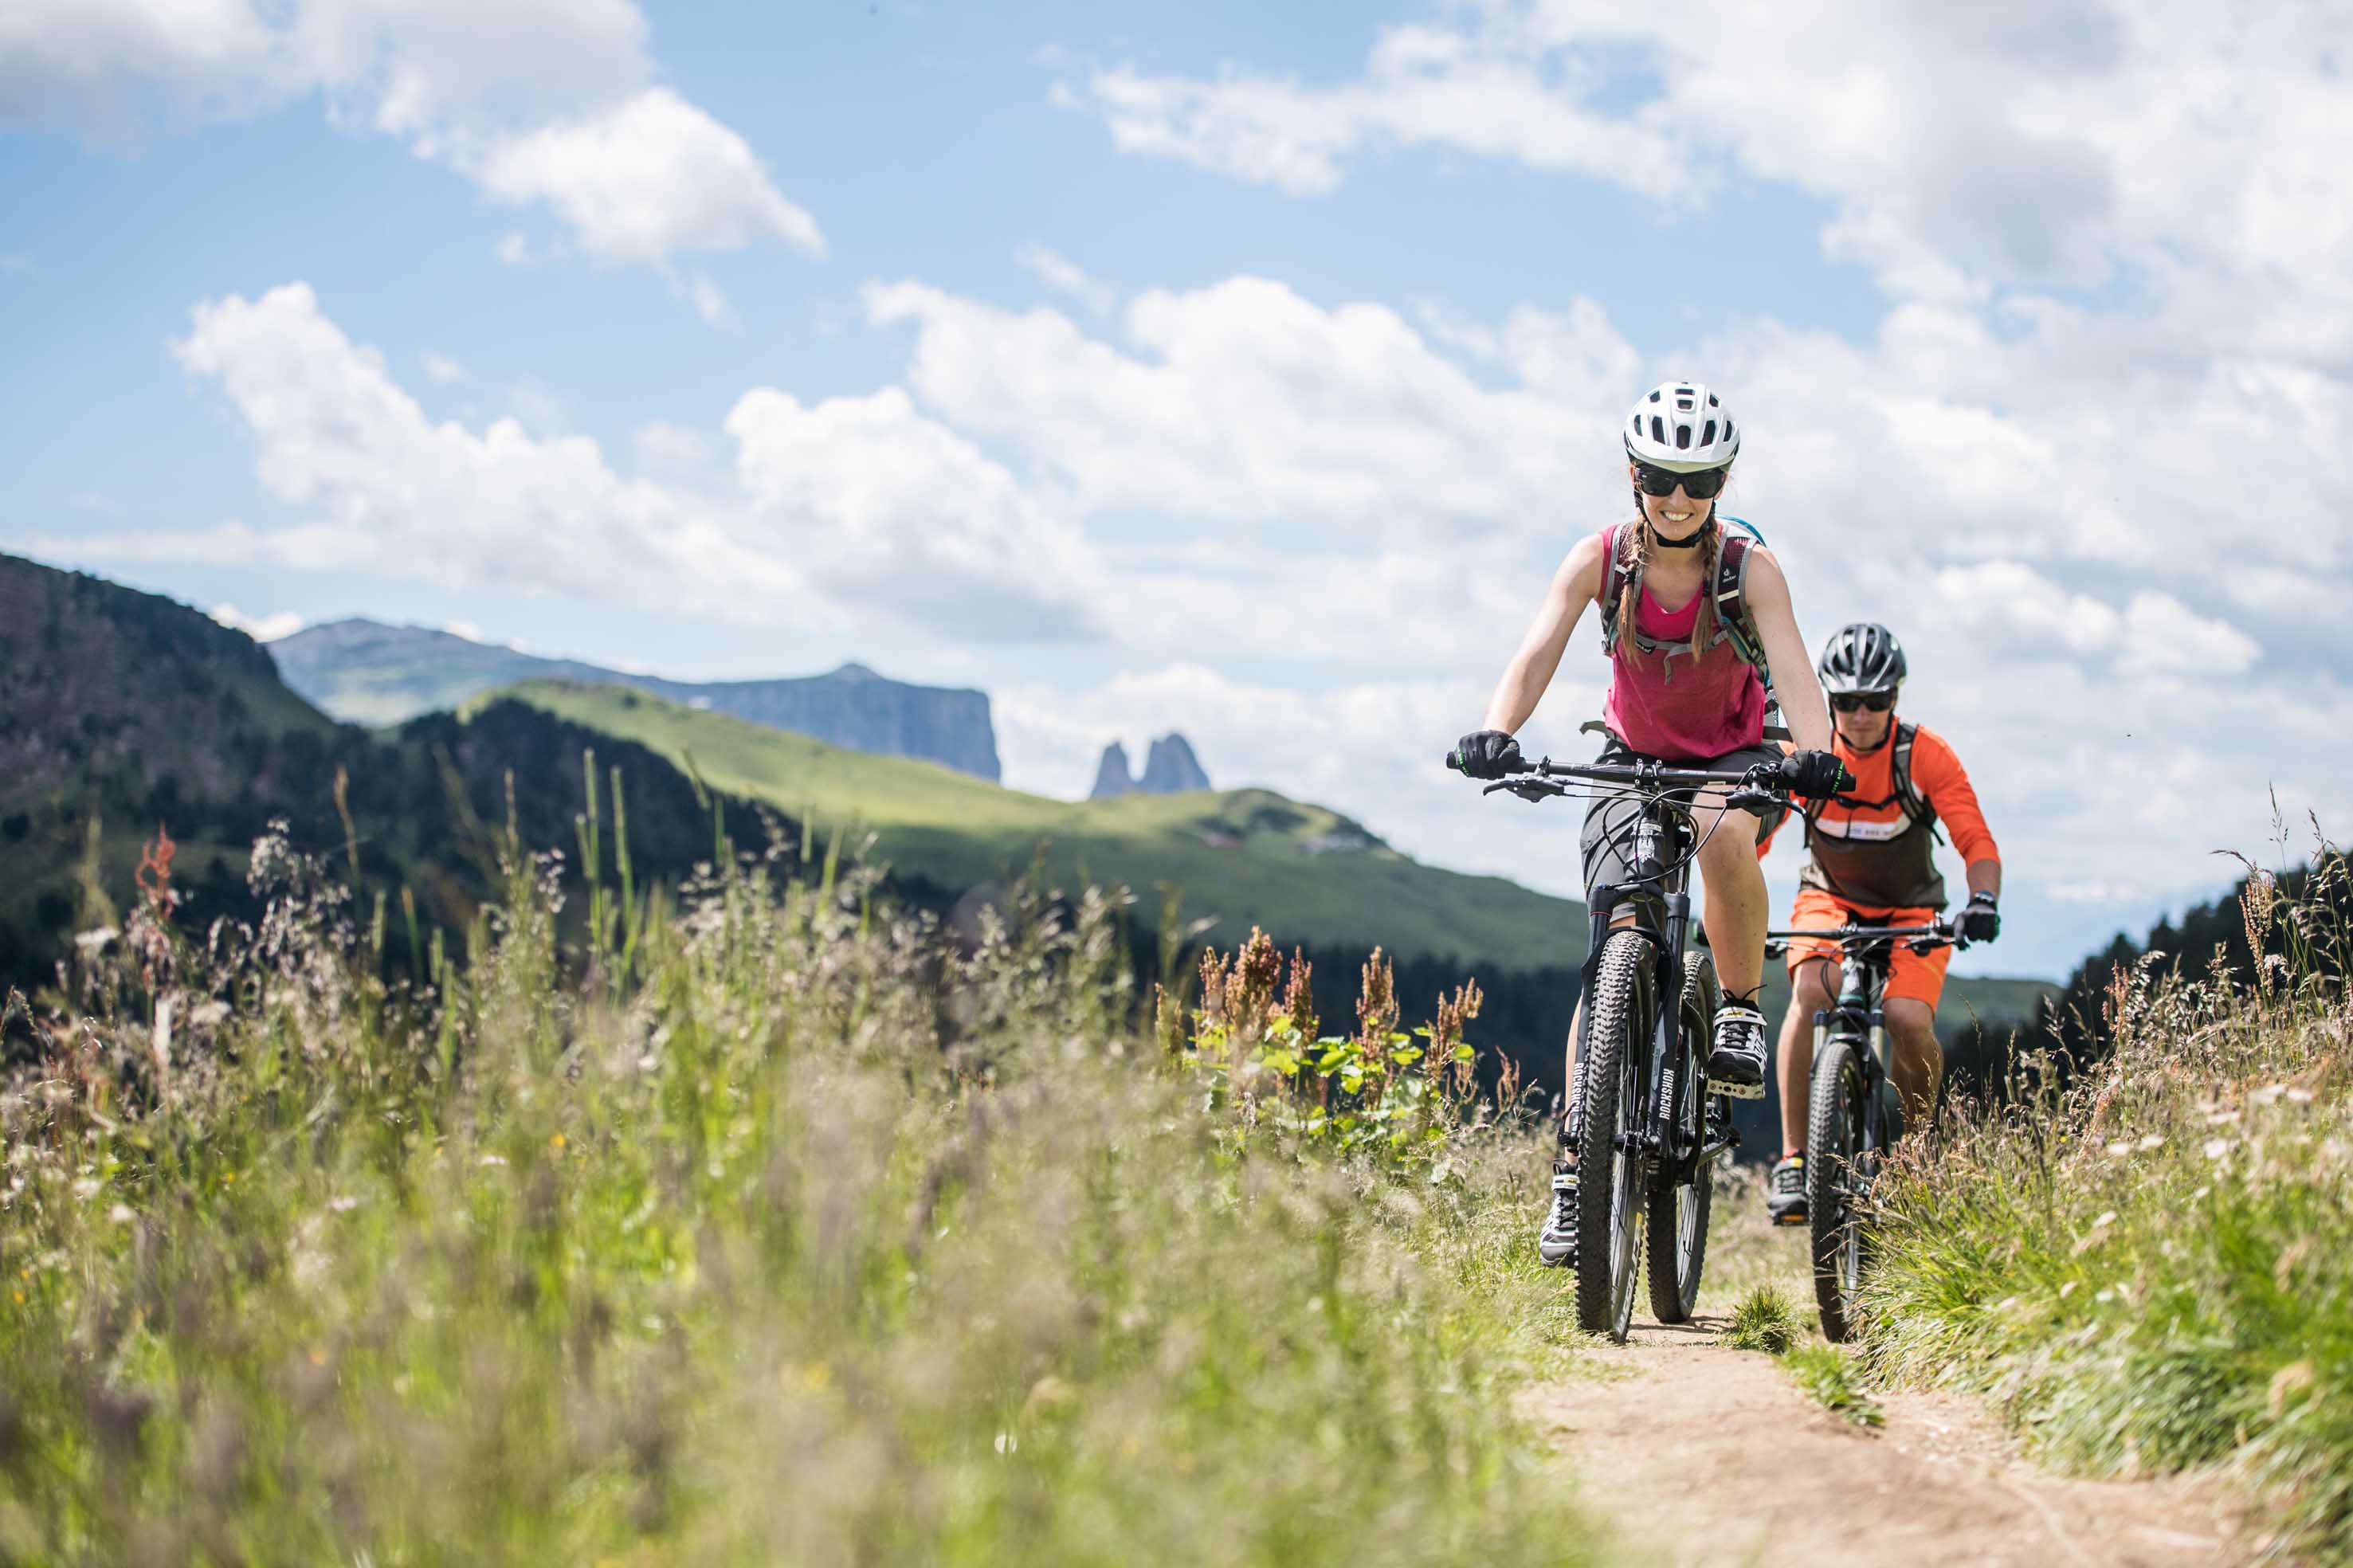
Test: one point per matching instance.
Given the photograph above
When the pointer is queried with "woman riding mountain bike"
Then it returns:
(1696, 621)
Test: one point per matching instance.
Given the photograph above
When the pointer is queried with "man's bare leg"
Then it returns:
(1917, 1060)
(1809, 993)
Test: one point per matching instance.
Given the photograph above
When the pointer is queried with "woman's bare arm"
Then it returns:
(1794, 681)
(1531, 669)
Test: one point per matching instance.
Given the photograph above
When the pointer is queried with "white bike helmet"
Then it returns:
(1682, 428)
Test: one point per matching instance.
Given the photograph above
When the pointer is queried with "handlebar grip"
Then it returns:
(1454, 762)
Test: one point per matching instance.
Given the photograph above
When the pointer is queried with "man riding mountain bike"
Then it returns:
(1871, 860)
(1695, 619)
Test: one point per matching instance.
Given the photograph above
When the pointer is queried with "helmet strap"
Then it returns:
(1661, 542)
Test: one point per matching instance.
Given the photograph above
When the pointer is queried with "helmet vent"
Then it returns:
(1708, 433)
(1683, 438)
(1658, 428)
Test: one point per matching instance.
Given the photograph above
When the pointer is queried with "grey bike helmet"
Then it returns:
(1861, 657)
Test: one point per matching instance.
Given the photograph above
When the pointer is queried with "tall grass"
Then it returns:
(2153, 1270)
(769, 1227)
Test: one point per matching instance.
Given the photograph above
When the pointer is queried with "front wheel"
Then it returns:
(1619, 1016)
(1674, 1234)
(1838, 1168)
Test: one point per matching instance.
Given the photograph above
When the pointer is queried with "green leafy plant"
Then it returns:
(1395, 1094)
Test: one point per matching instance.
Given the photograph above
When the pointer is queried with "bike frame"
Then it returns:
(1670, 1142)
(1858, 1014)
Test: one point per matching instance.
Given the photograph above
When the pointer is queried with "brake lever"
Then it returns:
(1751, 800)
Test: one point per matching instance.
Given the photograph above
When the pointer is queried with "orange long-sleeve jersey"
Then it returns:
(1866, 850)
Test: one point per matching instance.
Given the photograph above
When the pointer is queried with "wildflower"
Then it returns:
(342, 1205)
(2216, 1148)
(1376, 1006)
(1297, 1001)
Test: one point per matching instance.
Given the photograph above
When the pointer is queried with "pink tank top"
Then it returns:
(1681, 707)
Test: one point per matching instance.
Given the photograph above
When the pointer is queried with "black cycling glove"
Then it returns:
(1489, 754)
(1980, 919)
(1815, 774)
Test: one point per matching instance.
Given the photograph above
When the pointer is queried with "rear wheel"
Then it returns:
(1674, 1234)
(1618, 1015)
(1837, 1170)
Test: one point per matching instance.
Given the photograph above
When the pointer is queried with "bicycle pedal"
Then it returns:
(1791, 1221)
(1736, 1091)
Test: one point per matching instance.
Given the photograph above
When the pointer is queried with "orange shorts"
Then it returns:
(1919, 975)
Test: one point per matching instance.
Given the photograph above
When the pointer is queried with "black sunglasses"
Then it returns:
(1852, 702)
(1702, 486)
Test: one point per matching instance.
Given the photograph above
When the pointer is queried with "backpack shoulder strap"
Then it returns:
(1731, 591)
(1907, 794)
(1614, 576)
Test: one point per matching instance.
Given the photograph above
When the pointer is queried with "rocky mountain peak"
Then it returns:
(1169, 768)
(1111, 774)
(1172, 769)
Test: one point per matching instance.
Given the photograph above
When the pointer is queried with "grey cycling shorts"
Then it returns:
(1609, 820)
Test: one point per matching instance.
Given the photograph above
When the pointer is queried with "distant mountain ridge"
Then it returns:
(366, 672)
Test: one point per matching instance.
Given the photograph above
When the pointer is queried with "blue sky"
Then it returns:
(1266, 357)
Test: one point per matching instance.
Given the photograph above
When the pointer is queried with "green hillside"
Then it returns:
(1243, 857)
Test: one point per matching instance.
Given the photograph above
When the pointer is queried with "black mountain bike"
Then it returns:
(1851, 1119)
(1645, 1133)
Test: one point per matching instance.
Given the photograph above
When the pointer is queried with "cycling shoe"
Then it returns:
(1785, 1191)
(1556, 1243)
(1736, 1066)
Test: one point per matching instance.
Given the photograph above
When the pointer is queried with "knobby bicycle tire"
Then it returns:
(1674, 1235)
(1834, 1164)
(1620, 1013)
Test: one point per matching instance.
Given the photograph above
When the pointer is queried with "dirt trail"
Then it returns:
(1759, 1473)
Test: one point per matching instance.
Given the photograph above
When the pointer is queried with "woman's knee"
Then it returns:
(1732, 844)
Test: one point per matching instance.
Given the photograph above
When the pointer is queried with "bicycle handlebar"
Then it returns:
(1934, 934)
(1649, 773)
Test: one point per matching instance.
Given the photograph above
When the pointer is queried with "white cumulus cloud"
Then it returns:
(643, 179)
(543, 103)
(260, 629)
(842, 510)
